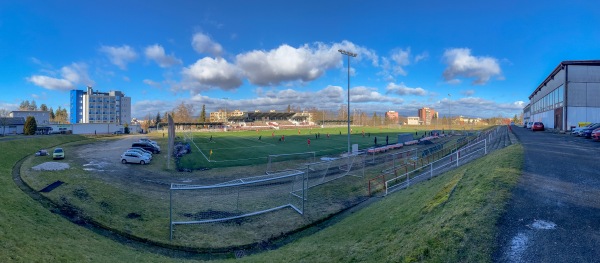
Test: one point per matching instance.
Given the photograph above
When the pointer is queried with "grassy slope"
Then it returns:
(30, 233)
(451, 219)
(448, 219)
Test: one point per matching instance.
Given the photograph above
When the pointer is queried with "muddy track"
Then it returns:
(75, 217)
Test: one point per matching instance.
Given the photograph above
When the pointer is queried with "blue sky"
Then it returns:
(488, 55)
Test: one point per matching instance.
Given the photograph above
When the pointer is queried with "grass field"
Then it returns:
(245, 148)
(450, 218)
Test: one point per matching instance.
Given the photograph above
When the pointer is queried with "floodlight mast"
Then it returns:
(348, 54)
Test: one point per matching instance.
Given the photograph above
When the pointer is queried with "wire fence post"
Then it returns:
(457, 156)
(170, 214)
(431, 170)
(485, 146)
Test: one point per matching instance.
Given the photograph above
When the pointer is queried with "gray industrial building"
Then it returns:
(568, 96)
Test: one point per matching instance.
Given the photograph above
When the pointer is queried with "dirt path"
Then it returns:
(554, 215)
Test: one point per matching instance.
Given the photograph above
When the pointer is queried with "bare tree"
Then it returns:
(4, 119)
(183, 113)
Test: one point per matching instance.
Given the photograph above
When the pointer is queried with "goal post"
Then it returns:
(237, 199)
(289, 161)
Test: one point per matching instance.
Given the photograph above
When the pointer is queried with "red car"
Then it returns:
(537, 126)
(596, 134)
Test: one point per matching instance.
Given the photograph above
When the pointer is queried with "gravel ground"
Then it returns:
(554, 214)
(51, 166)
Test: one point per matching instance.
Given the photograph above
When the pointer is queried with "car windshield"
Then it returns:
(59, 150)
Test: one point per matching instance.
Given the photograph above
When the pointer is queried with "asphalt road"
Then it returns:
(554, 214)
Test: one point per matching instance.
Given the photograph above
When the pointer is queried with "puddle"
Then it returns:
(518, 244)
(95, 166)
(93, 170)
(541, 224)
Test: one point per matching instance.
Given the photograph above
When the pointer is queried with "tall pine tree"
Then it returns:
(203, 113)
(30, 126)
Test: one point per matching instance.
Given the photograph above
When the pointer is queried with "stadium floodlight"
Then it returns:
(348, 54)
(450, 113)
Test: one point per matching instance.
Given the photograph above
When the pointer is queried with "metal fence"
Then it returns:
(325, 187)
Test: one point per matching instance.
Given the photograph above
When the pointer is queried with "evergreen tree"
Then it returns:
(33, 105)
(375, 119)
(203, 113)
(157, 120)
(30, 126)
(24, 105)
(52, 115)
(43, 107)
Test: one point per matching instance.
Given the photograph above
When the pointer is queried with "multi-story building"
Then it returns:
(99, 107)
(41, 117)
(391, 116)
(426, 114)
(570, 95)
(218, 116)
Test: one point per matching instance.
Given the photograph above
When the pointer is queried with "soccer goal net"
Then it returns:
(330, 169)
(292, 161)
(240, 198)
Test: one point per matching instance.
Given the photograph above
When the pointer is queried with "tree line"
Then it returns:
(59, 115)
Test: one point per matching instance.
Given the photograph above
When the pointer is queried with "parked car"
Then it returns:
(141, 149)
(140, 152)
(147, 140)
(537, 126)
(58, 153)
(118, 132)
(146, 146)
(150, 141)
(41, 153)
(529, 124)
(587, 132)
(133, 157)
(596, 134)
(577, 130)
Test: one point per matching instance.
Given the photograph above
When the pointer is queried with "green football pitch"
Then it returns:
(239, 148)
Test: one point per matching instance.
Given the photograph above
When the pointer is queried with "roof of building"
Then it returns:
(12, 121)
(560, 66)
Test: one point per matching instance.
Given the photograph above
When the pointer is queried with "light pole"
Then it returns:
(348, 54)
(449, 113)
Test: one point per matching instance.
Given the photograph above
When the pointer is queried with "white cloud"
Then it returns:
(209, 73)
(401, 57)
(144, 108)
(152, 83)
(8, 107)
(422, 56)
(42, 96)
(51, 83)
(203, 44)
(286, 63)
(478, 107)
(467, 93)
(402, 90)
(462, 64)
(366, 94)
(328, 98)
(74, 74)
(120, 56)
(398, 60)
(157, 53)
